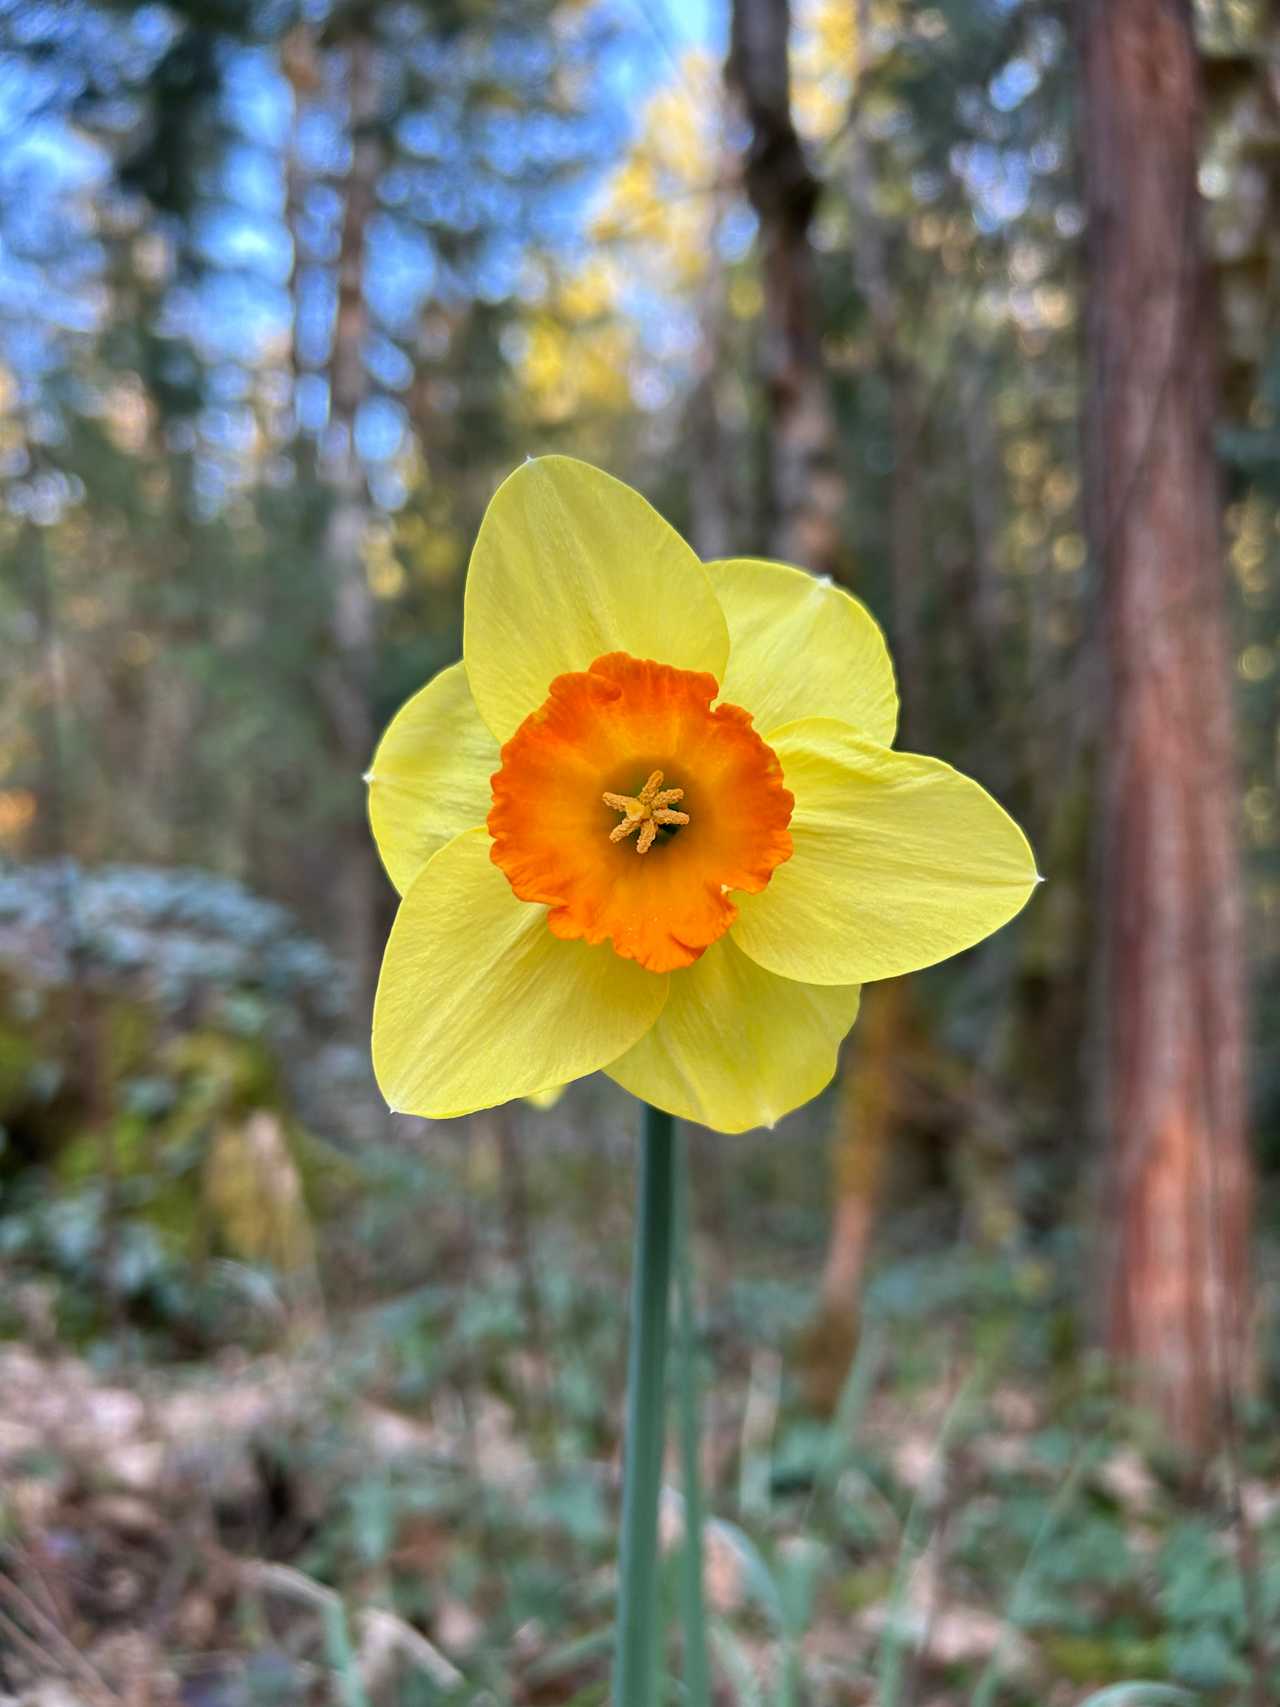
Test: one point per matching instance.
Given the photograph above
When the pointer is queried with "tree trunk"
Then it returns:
(873, 280)
(714, 506)
(807, 488)
(868, 1118)
(301, 64)
(349, 683)
(1174, 1031)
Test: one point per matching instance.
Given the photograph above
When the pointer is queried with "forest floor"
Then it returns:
(315, 1525)
(349, 1433)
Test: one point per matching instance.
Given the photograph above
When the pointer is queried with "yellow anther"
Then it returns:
(645, 812)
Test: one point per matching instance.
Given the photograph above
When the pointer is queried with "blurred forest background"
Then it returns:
(972, 305)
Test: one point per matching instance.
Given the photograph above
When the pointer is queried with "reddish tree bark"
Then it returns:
(1174, 1033)
(807, 488)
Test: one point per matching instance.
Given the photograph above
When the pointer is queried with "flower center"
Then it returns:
(646, 811)
(576, 760)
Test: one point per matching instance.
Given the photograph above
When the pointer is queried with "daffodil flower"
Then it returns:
(652, 823)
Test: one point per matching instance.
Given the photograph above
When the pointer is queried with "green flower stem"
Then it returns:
(697, 1666)
(638, 1637)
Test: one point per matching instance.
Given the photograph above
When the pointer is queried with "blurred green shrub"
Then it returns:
(157, 1033)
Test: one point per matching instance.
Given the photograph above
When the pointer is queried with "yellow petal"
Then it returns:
(800, 647)
(570, 564)
(478, 1002)
(899, 861)
(429, 779)
(737, 1046)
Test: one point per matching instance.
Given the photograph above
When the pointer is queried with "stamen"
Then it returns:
(646, 811)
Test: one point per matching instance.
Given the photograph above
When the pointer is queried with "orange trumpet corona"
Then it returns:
(605, 742)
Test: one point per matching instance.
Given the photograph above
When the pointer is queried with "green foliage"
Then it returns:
(152, 1147)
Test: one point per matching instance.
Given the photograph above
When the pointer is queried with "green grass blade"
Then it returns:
(854, 1397)
(735, 1663)
(758, 1580)
(985, 1692)
(341, 1655)
(889, 1666)
(1141, 1695)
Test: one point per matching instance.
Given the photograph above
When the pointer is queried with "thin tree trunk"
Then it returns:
(906, 549)
(873, 281)
(807, 488)
(1174, 1034)
(350, 681)
(868, 1117)
(983, 462)
(300, 62)
(711, 483)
